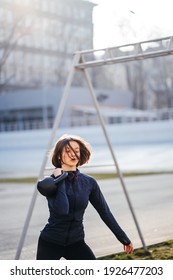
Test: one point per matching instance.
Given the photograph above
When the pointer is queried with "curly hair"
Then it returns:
(64, 142)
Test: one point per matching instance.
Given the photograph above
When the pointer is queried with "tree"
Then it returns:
(15, 30)
(136, 80)
(161, 82)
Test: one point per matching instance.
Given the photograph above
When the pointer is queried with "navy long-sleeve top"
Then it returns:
(67, 204)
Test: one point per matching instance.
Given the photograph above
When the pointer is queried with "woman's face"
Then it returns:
(70, 156)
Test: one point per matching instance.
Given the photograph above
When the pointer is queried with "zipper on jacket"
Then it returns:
(73, 212)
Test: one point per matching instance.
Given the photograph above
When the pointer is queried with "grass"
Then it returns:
(18, 180)
(97, 176)
(160, 251)
(102, 176)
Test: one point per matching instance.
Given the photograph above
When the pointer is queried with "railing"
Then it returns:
(128, 116)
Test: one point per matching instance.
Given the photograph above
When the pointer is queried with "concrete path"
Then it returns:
(151, 197)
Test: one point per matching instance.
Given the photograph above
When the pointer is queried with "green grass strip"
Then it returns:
(160, 251)
(97, 176)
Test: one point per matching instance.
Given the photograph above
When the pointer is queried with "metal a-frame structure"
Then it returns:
(94, 58)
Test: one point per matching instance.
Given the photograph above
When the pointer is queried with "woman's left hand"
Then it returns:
(57, 172)
(128, 248)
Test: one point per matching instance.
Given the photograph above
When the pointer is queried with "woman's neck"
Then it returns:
(69, 168)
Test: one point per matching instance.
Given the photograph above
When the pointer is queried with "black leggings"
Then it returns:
(51, 251)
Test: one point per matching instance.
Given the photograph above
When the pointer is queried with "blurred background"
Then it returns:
(38, 39)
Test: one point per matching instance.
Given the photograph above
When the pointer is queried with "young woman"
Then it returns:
(68, 192)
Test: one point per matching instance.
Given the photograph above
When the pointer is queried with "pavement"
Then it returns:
(151, 198)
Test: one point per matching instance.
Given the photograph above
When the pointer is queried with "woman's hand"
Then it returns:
(128, 248)
(57, 172)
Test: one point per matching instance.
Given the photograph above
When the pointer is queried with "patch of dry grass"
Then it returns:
(160, 251)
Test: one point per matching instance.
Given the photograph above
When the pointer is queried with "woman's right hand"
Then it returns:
(128, 248)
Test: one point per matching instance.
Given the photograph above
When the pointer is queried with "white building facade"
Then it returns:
(38, 39)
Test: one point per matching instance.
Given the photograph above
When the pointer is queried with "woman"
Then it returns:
(68, 192)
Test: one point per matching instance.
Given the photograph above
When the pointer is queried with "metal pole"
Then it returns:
(41, 174)
(113, 155)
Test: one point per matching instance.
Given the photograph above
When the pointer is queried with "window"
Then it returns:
(11, 58)
(9, 17)
(46, 61)
(37, 4)
(45, 5)
(52, 6)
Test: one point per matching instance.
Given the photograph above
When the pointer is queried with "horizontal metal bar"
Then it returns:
(123, 46)
(118, 54)
(123, 59)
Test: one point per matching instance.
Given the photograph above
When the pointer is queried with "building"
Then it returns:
(37, 42)
(38, 39)
(36, 109)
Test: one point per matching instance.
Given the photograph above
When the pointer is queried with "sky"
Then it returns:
(117, 22)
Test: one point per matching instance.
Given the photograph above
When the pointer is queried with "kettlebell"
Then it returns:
(48, 185)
